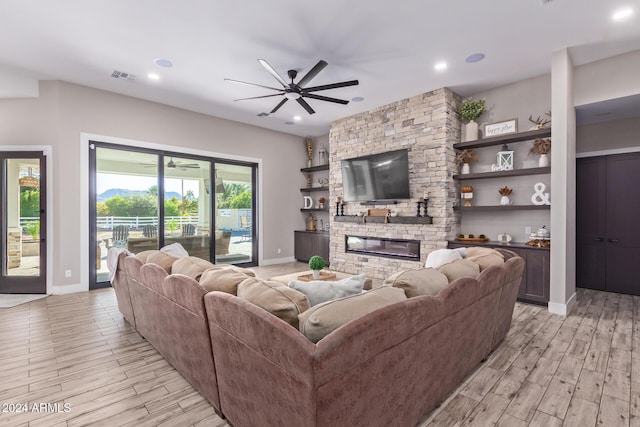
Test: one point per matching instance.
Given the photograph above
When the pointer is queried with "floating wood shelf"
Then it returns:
(314, 210)
(501, 208)
(316, 168)
(307, 190)
(500, 174)
(380, 219)
(504, 139)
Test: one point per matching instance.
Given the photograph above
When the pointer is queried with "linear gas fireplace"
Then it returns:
(377, 246)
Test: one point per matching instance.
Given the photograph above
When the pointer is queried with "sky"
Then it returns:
(106, 181)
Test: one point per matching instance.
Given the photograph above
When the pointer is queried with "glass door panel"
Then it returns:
(187, 205)
(23, 223)
(126, 204)
(235, 237)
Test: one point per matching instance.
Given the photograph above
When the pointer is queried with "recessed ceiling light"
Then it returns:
(474, 57)
(622, 14)
(163, 63)
(357, 99)
(297, 118)
(440, 66)
(153, 76)
(289, 123)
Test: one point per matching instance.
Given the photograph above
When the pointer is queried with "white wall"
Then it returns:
(64, 111)
(610, 78)
(611, 135)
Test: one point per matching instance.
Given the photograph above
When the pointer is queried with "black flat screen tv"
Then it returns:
(376, 177)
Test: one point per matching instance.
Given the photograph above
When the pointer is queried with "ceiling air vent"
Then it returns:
(122, 76)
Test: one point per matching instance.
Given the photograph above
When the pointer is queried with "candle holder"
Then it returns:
(425, 202)
(337, 208)
(419, 203)
(341, 209)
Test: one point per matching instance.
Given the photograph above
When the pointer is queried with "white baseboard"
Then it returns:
(68, 289)
(563, 309)
(274, 261)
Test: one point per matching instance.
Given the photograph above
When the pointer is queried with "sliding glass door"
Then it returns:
(128, 184)
(23, 222)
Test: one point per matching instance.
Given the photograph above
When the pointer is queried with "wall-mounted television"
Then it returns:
(376, 177)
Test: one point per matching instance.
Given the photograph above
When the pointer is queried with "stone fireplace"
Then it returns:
(388, 248)
(427, 125)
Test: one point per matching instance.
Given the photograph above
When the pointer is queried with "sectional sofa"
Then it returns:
(391, 363)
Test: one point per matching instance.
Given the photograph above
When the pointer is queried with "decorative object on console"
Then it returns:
(541, 146)
(323, 156)
(505, 192)
(543, 233)
(311, 223)
(419, 203)
(504, 127)
(323, 182)
(465, 157)
(308, 202)
(316, 263)
(539, 197)
(472, 238)
(321, 202)
(505, 159)
(309, 180)
(308, 144)
(470, 110)
(504, 238)
(540, 123)
(466, 193)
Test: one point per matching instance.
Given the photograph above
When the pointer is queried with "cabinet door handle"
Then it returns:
(613, 240)
(599, 239)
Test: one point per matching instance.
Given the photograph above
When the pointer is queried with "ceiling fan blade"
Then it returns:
(251, 84)
(305, 105)
(312, 73)
(326, 98)
(258, 97)
(332, 86)
(280, 104)
(273, 72)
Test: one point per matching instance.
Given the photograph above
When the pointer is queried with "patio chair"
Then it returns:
(188, 229)
(150, 230)
(119, 237)
(245, 227)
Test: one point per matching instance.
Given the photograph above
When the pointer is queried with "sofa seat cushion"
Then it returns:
(274, 297)
(319, 291)
(191, 266)
(224, 279)
(460, 268)
(425, 281)
(321, 320)
(162, 259)
(484, 257)
(440, 257)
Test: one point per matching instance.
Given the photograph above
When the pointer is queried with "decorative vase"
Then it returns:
(321, 205)
(316, 274)
(470, 131)
(543, 162)
(505, 201)
(465, 169)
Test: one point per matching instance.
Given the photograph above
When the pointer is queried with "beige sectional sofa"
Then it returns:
(386, 359)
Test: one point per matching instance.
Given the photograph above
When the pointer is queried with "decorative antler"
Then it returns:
(540, 122)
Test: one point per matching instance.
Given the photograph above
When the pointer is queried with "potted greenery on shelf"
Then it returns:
(470, 110)
(316, 263)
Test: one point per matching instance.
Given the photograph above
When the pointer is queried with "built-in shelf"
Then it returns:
(314, 210)
(306, 190)
(500, 174)
(495, 244)
(315, 168)
(504, 139)
(501, 208)
(381, 219)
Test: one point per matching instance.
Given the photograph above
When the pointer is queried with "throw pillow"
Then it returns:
(162, 259)
(144, 255)
(440, 257)
(223, 279)
(190, 266)
(460, 268)
(175, 249)
(426, 281)
(275, 297)
(319, 291)
(488, 260)
(321, 320)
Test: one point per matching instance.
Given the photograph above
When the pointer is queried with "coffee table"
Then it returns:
(286, 278)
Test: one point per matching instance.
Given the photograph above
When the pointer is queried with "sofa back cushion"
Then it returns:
(425, 281)
(275, 297)
(191, 266)
(144, 255)
(460, 268)
(162, 259)
(321, 320)
(224, 279)
(484, 257)
(319, 291)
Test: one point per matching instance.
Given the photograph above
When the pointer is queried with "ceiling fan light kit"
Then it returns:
(297, 91)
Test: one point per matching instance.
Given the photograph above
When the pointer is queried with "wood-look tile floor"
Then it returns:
(77, 355)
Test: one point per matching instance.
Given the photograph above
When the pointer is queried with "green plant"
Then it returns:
(316, 262)
(482, 236)
(471, 236)
(461, 236)
(471, 108)
(33, 228)
(172, 225)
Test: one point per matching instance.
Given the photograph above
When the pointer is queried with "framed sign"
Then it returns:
(501, 128)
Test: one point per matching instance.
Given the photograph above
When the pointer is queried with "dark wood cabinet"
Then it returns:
(535, 284)
(310, 243)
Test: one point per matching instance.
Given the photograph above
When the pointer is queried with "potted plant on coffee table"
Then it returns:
(316, 263)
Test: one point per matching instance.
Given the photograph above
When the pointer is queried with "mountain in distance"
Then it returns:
(112, 192)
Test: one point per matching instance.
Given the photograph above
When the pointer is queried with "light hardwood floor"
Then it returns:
(582, 370)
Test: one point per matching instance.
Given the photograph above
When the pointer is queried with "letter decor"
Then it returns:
(308, 202)
(539, 197)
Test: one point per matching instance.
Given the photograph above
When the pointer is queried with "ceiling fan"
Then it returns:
(171, 164)
(297, 91)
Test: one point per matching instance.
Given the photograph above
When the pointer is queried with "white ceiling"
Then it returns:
(390, 47)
